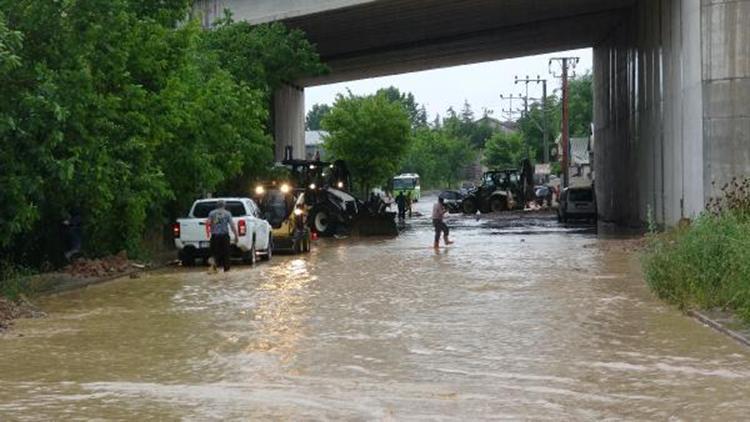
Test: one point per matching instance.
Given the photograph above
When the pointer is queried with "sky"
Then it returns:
(479, 84)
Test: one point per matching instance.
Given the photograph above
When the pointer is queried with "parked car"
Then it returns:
(192, 235)
(453, 201)
(577, 203)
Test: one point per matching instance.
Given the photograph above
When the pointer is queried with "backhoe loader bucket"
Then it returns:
(381, 224)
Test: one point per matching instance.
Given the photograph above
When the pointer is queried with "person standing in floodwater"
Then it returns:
(438, 213)
(220, 222)
(401, 204)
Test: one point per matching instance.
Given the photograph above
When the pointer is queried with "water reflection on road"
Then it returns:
(520, 319)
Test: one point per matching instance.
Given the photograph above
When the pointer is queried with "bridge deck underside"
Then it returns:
(396, 36)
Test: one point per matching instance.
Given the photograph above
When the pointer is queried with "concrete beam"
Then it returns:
(263, 11)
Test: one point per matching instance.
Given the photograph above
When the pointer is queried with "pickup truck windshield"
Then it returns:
(201, 210)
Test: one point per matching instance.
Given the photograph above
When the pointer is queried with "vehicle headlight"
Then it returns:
(260, 190)
(285, 188)
(340, 185)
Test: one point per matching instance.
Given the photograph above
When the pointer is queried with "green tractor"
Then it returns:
(501, 190)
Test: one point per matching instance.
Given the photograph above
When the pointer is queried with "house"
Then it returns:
(495, 124)
(314, 144)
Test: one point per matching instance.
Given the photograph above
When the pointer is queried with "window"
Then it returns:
(404, 183)
(580, 195)
(201, 210)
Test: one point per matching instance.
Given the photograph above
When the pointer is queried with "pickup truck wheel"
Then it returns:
(469, 206)
(187, 258)
(250, 257)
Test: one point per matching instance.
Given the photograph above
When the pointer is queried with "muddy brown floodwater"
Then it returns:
(519, 320)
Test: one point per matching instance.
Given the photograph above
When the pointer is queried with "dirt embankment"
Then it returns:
(78, 274)
(12, 310)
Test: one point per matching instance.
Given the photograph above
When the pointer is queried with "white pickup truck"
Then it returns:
(192, 236)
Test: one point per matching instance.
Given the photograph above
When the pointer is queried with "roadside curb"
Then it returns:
(700, 317)
(82, 283)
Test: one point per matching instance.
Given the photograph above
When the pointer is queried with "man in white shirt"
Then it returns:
(438, 213)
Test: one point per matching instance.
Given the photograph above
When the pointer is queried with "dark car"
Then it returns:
(577, 203)
(453, 201)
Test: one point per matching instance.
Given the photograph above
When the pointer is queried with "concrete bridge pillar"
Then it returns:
(672, 108)
(726, 91)
(289, 120)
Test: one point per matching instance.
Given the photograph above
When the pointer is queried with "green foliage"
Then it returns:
(438, 157)
(532, 125)
(464, 126)
(706, 264)
(115, 109)
(13, 280)
(581, 105)
(417, 114)
(504, 150)
(315, 116)
(264, 56)
(372, 134)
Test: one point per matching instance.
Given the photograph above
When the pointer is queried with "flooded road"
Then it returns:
(525, 320)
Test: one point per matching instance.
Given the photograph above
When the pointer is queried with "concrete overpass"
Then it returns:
(671, 77)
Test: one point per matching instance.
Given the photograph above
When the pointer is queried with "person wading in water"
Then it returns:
(220, 222)
(438, 213)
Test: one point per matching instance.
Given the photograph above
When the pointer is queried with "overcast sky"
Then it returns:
(480, 84)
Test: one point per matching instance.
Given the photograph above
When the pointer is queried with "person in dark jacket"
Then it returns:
(401, 205)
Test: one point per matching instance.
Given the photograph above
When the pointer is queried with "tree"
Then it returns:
(504, 150)
(467, 114)
(370, 133)
(263, 56)
(581, 115)
(315, 116)
(532, 125)
(417, 114)
(581, 105)
(127, 112)
(439, 157)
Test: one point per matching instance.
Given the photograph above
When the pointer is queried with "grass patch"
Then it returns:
(14, 281)
(706, 264)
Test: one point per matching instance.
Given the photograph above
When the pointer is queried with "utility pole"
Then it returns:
(566, 63)
(539, 80)
(510, 111)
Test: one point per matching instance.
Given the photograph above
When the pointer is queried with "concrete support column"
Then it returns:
(289, 121)
(726, 91)
(649, 149)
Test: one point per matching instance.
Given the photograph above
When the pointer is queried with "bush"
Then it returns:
(13, 282)
(706, 264)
